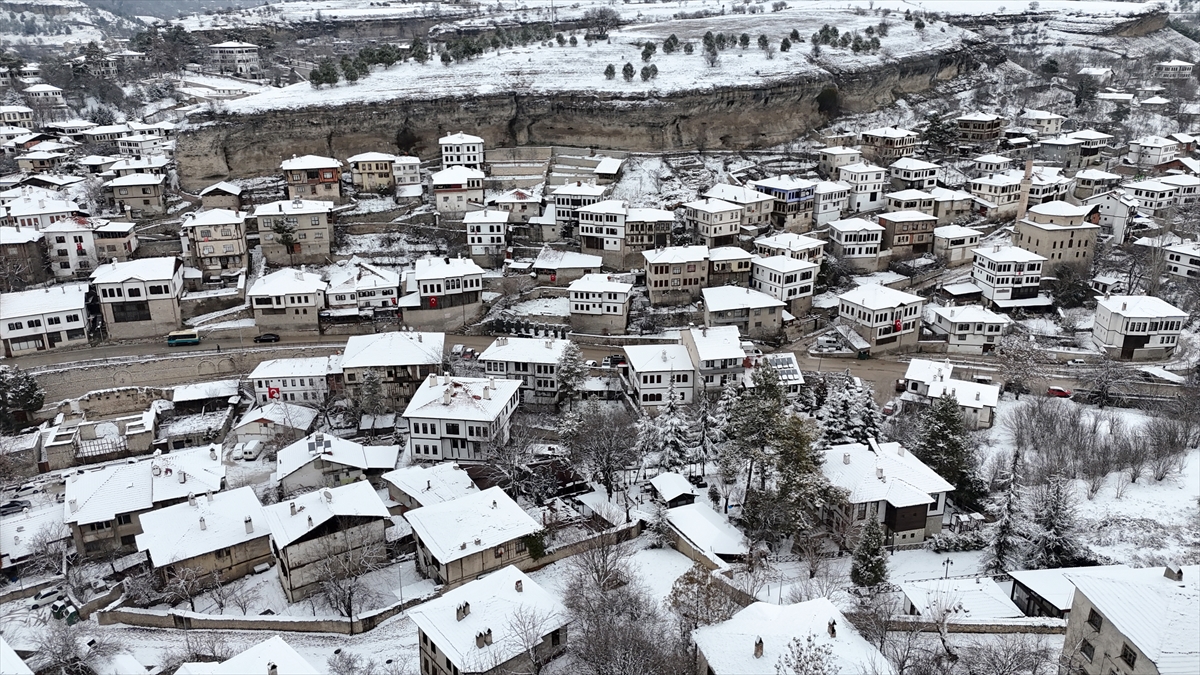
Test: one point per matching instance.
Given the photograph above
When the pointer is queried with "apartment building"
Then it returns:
(599, 304)
(867, 184)
(888, 144)
(235, 58)
(675, 275)
(756, 206)
(1009, 277)
(139, 298)
(1149, 151)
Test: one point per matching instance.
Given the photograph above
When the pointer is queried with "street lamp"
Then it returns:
(947, 563)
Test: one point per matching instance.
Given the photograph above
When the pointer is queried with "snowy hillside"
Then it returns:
(61, 22)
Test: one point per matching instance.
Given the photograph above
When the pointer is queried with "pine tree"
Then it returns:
(1011, 536)
(627, 72)
(869, 568)
(571, 372)
(803, 489)
(1056, 542)
(674, 435)
(755, 417)
(835, 418)
(744, 40)
(865, 415)
(419, 51)
(649, 437)
(763, 42)
(937, 133)
(645, 73)
(807, 657)
(610, 72)
(943, 447)
(20, 395)
(785, 45)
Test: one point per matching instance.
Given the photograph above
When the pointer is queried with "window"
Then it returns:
(16, 325)
(452, 429)
(1128, 655)
(1094, 619)
(124, 519)
(861, 512)
(1088, 650)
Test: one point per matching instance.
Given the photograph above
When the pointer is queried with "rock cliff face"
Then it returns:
(235, 146)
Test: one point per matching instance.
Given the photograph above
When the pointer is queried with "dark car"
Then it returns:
(267, 337)
(15, 506)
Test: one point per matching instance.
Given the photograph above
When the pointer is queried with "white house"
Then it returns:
(236, 58)
(675, 274)
(910, 200)
(830, 159)
(569, 198)
(1009, 277)
(373, 171)
(976, 400)
(954, 243)
(756, 206)
(1187, 187)
(1137, 327)
(1044, 122)
(1150, 151)
(45, 96)
(532, 361)
(1183, 260)
(656, 372)
(324, 460)
(443, 293)
(867, 184)
(401, 360)
(888, 485)
(989, 164)
(910, 173)
(888, 319)
(793, 245)
(830, 199)
(45, 318)
(1174, 69)
(888, 144)
(296, 231)
(793, 207)
(1154, 198)
(418, 485)
(487, 235)
(970, 329)
(462, 150)
(617, 233)
(287, 300)
(787, 279)
(755, 313)
(457, 418)
(356, 287)
(272, 655)
(214, 240)
(717, 353)
(297, 380)
(272, 421)
(1001, 192)
(457, 189)
(599, 304)
(1117, 212)
(858, 243)
(716, 222)
(140, 298)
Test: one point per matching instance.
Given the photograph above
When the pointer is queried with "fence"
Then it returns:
(610, 536)
(1039, 625)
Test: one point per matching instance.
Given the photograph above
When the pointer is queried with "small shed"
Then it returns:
(673, 489)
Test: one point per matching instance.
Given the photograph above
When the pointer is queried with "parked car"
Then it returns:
(889, 408)
(590, 364)
(1077, 362)
(1016, 388)
(612, 361)
(14, 506)
(267, 337)
(47, 597)
(900, 385)
(1059, 392)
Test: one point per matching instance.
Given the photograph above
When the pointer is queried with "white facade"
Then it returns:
(487, 232)
(829, 160)
(1008, 276)
(1044, 122)
(909, 173)
(955, 243)
(1151, 151)
(532, 361)
(970, 329)
(1137, 326)
(867, 184)
(457, 189)
(599, 296)
(1183, 260)
(715, 222)
(1154, 198)
(783, 278)
(1117, 212)
(46, 318)
(756, 206)
(456, 418)
(356, 283)
(299, 380)
(718, 355)
(830, 199)
(793, 245)
(883, 316)
(1174, 69)
(856, 241)
(235, 58)
(462, 150)
(570, 197)
(656, 371)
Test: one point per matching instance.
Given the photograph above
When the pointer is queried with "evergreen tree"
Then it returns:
(756, 416)
(763, 42)
(869, 567)
(943, 447)
(1056, 542)
(1011, 537)
(795, 35)
(326, 72)
(744, 40)
(785, 45)
(937, 133)
(649, 436)
(627, 72)
(610, 72)
(571, 372)
(387, 55)
(645, 73)
(653, 71)
(648, 51)
(419, 50)
(674, 435)
(349, 70)
(20, 396)
(803, 490)
(835, 417)
(865, 415)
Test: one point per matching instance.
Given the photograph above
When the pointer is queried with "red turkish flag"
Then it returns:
(433, 302)
(896, 326)
(272, 392)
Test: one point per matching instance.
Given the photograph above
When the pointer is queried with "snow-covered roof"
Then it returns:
(371, 157)
(914, 164)
(926, 371)
(43, 301)
(145, 269)
(861, 167)
(1156, 614)
(134, 164)
(906, 216)
(671, 485)
(433, 267)
(175, 533)
(724, 253)
(13, 665)
(1031, 114)
(970, 314)
(1007, 254)
(525, 350)
(657, 358)
(992, 159)
(1155, 100)
(829, 186)
(712, 205)
(459, 137)
(717, 343)
(890, 132)
(1174, 62)
(839, 150)
(486, 216)
(285, 281)
(214, 218)
(955, 231)
(1096, 174)
(967, 394)
(98, 495)
(257, 659)
(42, 154)
(1153, 142)
(396, 348)
(875, 297)
(707, 530)
(432, 484)
(599, 283)
(609, 206)
(608, 166)
(475, 399)
(725, 298)
(855, 225)
(908, 195)
(1151, 186)
(30, 205)
(19, 532)
(554, 259)
(737, 194)
(314, 508)
(472, 523)
(1059, 207)
(201, 391)
(292, 207)
(978, 598)
(359, 275)
(310, 162)
(579, 189)
(1090, 135)
(136, 179)
(783, 182)
(1180, 180)
(978, 117)
(40, 88)
(729, 649)
(676, 254)
(789, 241)
(905, 481)
(334, 450)
(12, 235)
(500, 605)
(1139, 306)
(233, 44)
(1055, 587)
(455, 175)
(316, 366)
(517, 196)
(784, 264)
(283, 414)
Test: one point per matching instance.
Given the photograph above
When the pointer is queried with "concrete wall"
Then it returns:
(445, 320)
(164, 318)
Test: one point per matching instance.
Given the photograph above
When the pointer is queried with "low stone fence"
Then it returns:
(87, 608)
(28, 591)
(1038, 625)
(622, 340)
(613, 535)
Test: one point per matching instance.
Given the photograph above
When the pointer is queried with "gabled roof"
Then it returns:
(1031, 114)
(979, 598)
(717, 343)
(855, 225)
(1139, 306)
(737, 194)
(359, 275)
(525, 350)
(472, 523)
(498, 605)
(725, 298)
(145, 269)
(474, 399)
(926, 371)
(13, 665)
(214, 218)
(783, 264)
(723, 253)
(913, 164)
(599, 283)
(711, 205)
(992, 159)
(906, 216)
(292, 207)
(175, 533)
(890, 132)
(861, 167)
(658, 358)
(334, 450)
(486, 216)
(371, 157)
(707, 530)
(554, 259)
(1055, 586)
(285, 281)
(97, 495)
(1007, 254)
(905, 481)
(315, 366)
(875, 297)
(283, 414)
(967, 394)
(433, 267)
(954, 231)
(670, 485)
(310, 162)
(233, 44)
(676, 254)
(978, 117)
(729, 646)
(783, 183)
(789, 241)
(970, 314)
(432, 484)
(43, 301)
(459, 137)
(581, 189)
(256, 659)
(357, 499)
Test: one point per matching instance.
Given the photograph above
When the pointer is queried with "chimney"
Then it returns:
(879, 472)
(74, 505)
(487, 637)
(845, 458)
(487, 393)
(272, 669)
(1173, 572)
(758, 648)
(976, 396)
(664, 356)
(1123, 305)
(310, 522)
(492, 381)
(191, 499)
(420, 338)
(462, 611)
(479, 640)
(182, 476)
(202, 525)
(293, 505)
(328, 495)
(832, 627)
(900, 450)
(249, 525)
(208, 493)
(212, 453)
(433, 379)
(446, 396)
(429, 485)
(519, 586)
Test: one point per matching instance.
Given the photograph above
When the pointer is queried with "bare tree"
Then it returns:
(66, 649)
(198, 646)
(347, 558)
(185, 583)
(1011, 654)
(1108, 381)
(597, 438)
(527, 628)
(697, 599)
(342, 662)
(48, 548)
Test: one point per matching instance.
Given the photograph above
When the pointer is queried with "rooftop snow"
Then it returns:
(434, 268)
(396, 348)
(202, 391)
(1007, 254)
(136, 179)
(737, 194)
(707, 530)
(725, 253)
(676, 254)
(371, 157)
(783, 264)
(214, 218)
(711, 205)
(926, 371)
(968, 394)
(13, 665)
(1059, 207)
(145, 269)
(1054, 586)
(906, 480)
(599, 283)
(287, 281)
(908, 195)
(789, 241)
(553, 259)
(855, 225)
(432, 484)
(19, 533)
(176, 533)
(671, 485)
(357, 499)
(889, 132)
(657, 358)
(467, 398)
(783, 183)
(333, 450)
(284, 414)
(970, 314)
(718, 343)
(257, 659)
(455, 175)
(497, 606)
(310, 162)
(875, 297)
(726, 298)
(979, 598)
(316, 366)
(525, 350)
(292, 207)
(906, 216)
(1139, 306)
(486, 216)
(43, 301)
(12, 235)
(472, 523)
(955, 231)
(100, 494)
(459, 138)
